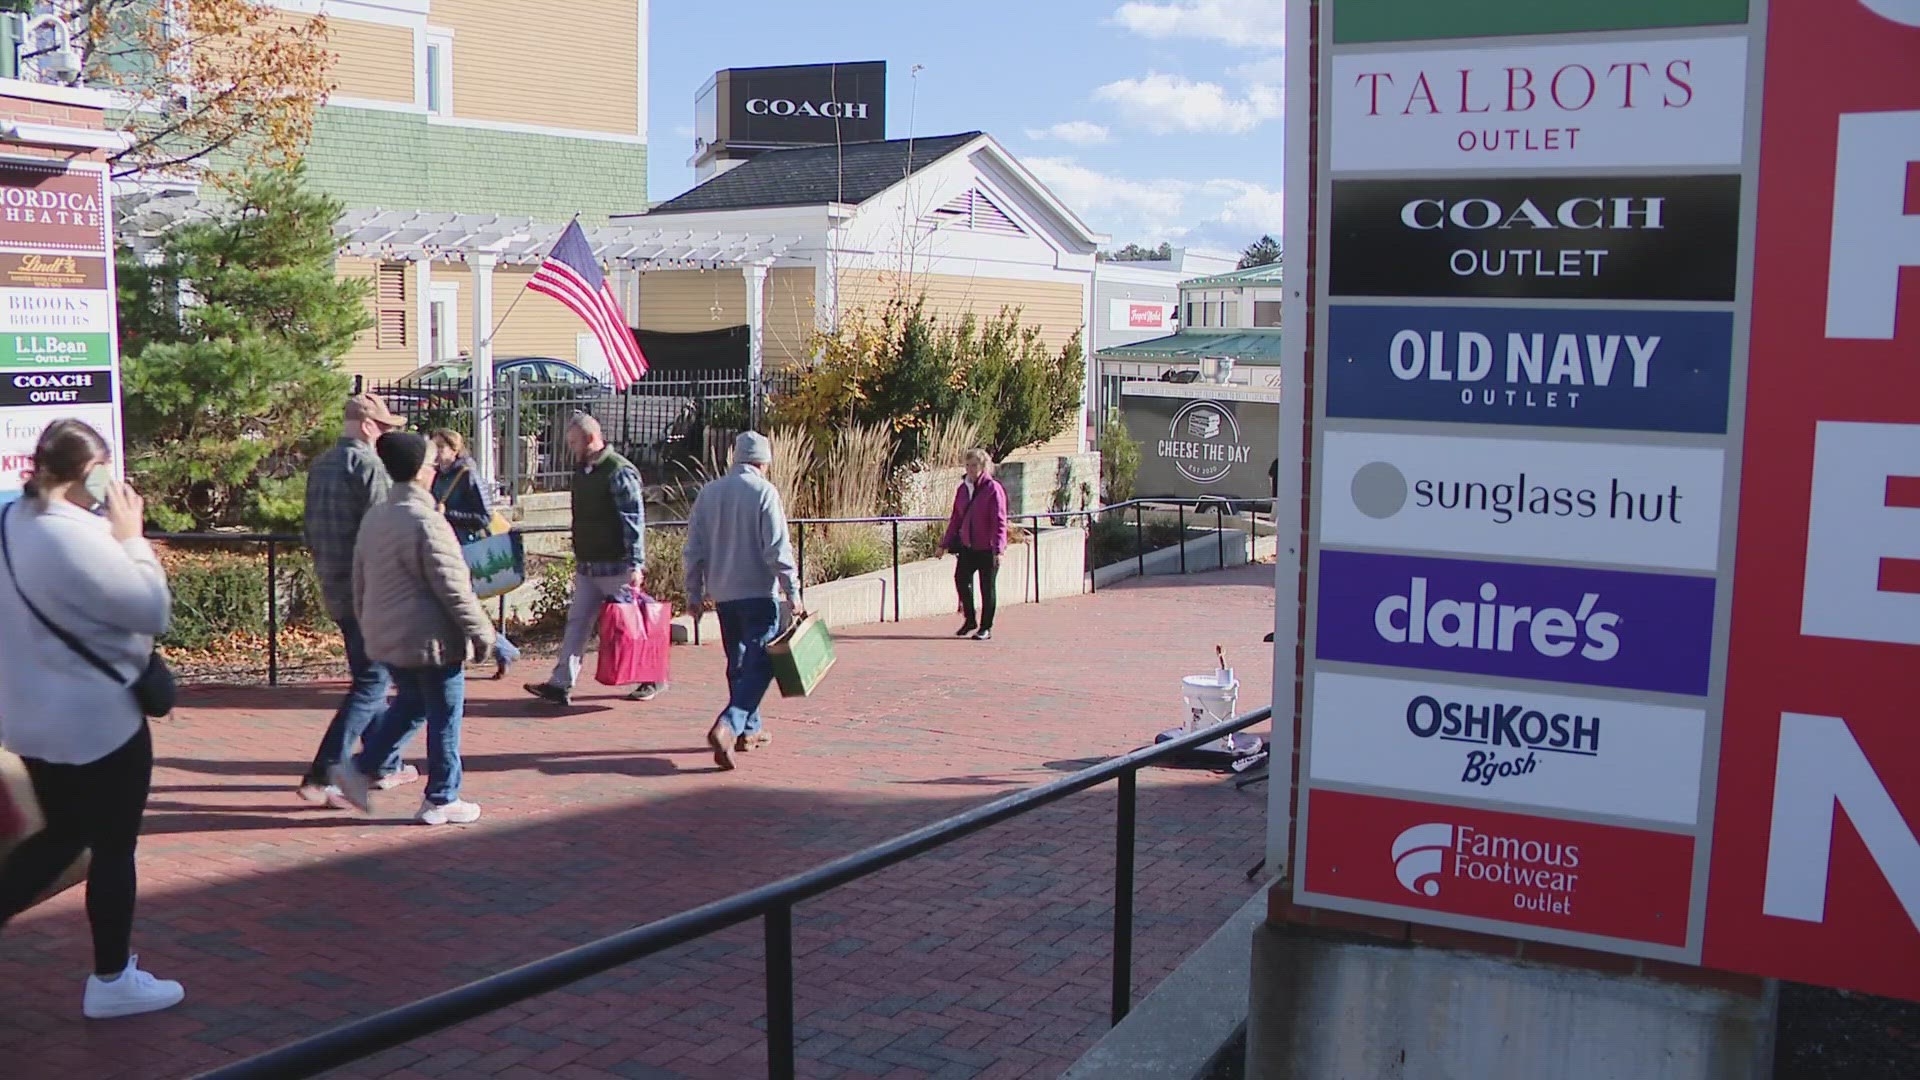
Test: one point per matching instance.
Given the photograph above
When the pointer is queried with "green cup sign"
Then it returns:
(55, 351)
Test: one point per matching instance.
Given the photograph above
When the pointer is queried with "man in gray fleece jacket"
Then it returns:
(739, 559)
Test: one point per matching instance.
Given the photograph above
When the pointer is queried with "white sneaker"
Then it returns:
(354, 787)
(133, 993)
(457, 812)
(406, 774)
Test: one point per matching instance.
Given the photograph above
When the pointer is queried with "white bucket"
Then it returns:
(1210, 698)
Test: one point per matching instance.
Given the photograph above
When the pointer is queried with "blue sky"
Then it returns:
(1154, 119)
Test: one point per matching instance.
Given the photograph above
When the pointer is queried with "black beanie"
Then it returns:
(403, 453)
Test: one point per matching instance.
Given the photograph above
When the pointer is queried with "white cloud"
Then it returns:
(1221, 213)
(1268, 71)
(1079, 132)
(1258, 23)
(1174, 103)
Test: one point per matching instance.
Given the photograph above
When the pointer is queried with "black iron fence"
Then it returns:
(1185, 511)
(773, 904)
(669, 424)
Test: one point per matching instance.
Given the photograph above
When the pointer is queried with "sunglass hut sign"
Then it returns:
(1674, 102)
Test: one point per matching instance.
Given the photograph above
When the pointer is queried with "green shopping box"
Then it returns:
(801, 656)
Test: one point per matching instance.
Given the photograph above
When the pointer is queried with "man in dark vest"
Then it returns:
(609, 552)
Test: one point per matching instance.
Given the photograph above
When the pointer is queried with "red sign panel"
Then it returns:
(49, 208)
(1815, 867)
(1146, 316)
(1567, 875)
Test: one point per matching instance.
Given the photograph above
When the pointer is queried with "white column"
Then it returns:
(756, 320)
(485, 449)
(423, 310)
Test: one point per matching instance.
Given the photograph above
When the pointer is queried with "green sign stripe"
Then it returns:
(27, 350)
(1421, 20)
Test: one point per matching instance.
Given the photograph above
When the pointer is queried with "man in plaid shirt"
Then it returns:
(341, 485)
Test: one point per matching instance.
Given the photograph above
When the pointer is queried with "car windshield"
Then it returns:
(439, 373)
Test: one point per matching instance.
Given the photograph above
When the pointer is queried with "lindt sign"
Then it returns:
(1614, 103)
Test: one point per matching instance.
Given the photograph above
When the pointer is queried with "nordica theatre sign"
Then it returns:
(1614, 600)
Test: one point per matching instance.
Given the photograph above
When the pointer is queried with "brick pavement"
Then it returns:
(986, 959)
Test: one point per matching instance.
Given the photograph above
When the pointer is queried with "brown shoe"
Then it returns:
(747, 743)
(720, 737)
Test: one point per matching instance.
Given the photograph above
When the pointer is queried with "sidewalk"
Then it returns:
(988, 958)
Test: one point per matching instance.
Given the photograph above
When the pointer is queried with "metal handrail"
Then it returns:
(1219, 504)
(363, 1038)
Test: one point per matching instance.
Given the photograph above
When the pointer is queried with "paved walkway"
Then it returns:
(985, 959)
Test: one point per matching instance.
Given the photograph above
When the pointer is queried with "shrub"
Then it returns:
(852, 550)
(1119, 460)
(221, 593)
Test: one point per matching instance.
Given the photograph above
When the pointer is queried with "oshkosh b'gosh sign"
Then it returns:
(1674, 103)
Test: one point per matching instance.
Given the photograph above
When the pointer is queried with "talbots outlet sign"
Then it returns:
(1637, 677)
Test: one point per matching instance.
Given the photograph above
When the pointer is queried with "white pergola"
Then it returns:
(484, 241)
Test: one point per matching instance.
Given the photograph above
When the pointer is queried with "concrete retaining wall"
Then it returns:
(926, 587)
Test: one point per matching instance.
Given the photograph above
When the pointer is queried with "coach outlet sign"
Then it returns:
(59, 353)
(1614, 560)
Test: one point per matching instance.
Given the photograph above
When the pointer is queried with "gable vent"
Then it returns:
(973, 210)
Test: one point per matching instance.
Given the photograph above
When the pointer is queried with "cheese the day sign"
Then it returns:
(1617, 467)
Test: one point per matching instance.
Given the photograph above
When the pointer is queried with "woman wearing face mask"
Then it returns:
(73, 551)
(463, 502)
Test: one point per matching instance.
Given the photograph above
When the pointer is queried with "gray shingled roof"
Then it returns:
(851, 173)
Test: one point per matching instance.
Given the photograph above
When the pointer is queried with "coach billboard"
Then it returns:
(794, 105)
(1613, 594)
(1200, 440)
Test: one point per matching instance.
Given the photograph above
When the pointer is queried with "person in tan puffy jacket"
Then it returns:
(413, 596)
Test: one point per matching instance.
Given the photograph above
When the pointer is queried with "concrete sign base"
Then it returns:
(1327, 1008)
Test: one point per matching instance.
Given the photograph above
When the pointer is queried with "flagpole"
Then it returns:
(502, 321)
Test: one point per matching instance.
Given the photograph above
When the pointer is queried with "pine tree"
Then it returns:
(230, 340)
(1261, 252)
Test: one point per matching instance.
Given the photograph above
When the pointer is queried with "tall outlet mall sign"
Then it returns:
(1614, 602)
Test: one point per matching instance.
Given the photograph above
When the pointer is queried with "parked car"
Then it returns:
(450, 377)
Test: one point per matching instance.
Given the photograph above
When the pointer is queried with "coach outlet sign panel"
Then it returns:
(1614, 559)
(59, 353)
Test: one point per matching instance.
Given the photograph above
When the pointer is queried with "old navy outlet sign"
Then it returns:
(1561, 624)
(1522, 747)
(1626, 370)
(1589, 238)
(1584, 502)
(1632, 884)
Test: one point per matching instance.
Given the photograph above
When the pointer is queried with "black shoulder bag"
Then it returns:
(155, 690)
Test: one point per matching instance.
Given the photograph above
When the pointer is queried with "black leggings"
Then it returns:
(97, 807)
(977, 562)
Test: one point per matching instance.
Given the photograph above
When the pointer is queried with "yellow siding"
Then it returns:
(681, 301)
(536, 326)
(572, 68)
(789, 317)
(370, 60)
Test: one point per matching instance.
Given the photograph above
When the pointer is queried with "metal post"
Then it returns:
(1122, 900)
(801, 528)
(896, 569)
(1139, 540)
(1182, 508)
(1093, 572)
(1036, 560)
(780, 1057)
(510, 477)
(273, 613)
(1220, 531)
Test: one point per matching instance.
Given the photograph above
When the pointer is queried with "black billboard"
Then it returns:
(56, 388)
(801, 105)
(1203, 445)
(1585, 238)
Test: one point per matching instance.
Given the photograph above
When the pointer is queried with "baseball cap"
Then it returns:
(372, 407)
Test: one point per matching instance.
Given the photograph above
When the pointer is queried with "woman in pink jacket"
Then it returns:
(977, 536)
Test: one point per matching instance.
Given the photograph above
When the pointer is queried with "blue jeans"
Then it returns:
(435, 697)
(365, 700)
(746, 626)
(506, 651)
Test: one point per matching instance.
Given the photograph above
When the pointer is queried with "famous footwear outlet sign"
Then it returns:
(1614, 560)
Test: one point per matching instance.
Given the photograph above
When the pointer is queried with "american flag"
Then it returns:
(572, 276)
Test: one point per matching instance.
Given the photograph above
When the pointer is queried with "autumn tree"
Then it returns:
(229, 83)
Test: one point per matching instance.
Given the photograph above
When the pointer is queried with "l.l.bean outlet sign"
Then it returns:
(59, 354)
(1614, 591)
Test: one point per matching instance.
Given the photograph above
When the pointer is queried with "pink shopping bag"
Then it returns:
(634, 642)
